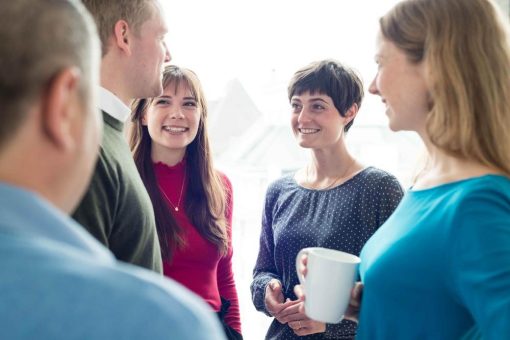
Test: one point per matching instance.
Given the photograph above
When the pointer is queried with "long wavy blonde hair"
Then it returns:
(465, 47)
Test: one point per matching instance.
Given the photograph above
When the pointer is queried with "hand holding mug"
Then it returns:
(275, 301)
(328, 284)
(306, 326)
(352, 312)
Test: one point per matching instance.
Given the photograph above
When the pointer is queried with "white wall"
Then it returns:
(505, 5)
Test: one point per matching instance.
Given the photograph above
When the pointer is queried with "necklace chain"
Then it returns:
(176, 207)
(330, 185)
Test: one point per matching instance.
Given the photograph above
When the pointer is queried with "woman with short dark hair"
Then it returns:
(334, 202)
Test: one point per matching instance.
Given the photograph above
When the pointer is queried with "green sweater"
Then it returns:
(116, 209)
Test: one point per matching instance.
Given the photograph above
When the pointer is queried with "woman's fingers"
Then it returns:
(352, 312)
(302, 268)
(291, 312)
(300, 292)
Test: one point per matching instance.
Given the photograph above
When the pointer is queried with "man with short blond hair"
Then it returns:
(56, 281)
(107, 13)
(116, 209)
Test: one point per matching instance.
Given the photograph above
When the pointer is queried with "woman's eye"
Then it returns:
(190, 104)
(318, 107)
(162, 102)
(295, 107)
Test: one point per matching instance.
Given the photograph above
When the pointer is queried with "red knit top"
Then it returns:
(199, 265)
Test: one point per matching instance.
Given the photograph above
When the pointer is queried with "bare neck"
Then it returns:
(22, 167)
(330, 162)
(442, 168)
(328, 168)
(113, 78)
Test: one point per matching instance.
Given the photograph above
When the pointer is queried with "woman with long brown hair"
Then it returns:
(192, 201)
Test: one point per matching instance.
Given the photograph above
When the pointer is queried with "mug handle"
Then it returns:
(304, 251)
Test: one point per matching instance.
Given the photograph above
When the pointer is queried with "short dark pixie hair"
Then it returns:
(331, 78)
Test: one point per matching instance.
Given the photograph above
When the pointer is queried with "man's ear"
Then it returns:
(122, 36)
(60, 106)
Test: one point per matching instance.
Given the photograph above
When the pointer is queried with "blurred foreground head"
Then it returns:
(49, 69)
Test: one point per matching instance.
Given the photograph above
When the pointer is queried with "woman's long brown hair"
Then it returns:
(206, 199)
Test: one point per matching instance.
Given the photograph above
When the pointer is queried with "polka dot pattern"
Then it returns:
(342, 218)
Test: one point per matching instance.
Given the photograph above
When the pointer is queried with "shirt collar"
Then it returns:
(112, 105)
(26, 213)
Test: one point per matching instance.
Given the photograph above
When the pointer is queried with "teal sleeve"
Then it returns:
(480, 258)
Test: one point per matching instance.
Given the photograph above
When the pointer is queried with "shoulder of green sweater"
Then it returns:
(112, 122)
(105, 175)
(114, 151)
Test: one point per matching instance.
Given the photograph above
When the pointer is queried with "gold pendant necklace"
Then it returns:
(330, 185)
(176, 207)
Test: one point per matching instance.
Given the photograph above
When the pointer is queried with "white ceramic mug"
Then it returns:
(329, 280)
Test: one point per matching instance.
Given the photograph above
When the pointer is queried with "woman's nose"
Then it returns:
(373, 87)
(304, 116)
(177, 114)
(168, 56)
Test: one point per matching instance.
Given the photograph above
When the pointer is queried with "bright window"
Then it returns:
(245, 52)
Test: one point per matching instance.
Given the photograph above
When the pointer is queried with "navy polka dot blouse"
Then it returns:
(294, 217)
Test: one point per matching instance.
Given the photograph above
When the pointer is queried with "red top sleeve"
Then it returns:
(225, 274)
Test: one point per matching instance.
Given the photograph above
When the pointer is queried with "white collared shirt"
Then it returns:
(111, 104)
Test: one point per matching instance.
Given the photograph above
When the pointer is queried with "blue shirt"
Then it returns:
(56, 282)
(342, 218)
(440, 266)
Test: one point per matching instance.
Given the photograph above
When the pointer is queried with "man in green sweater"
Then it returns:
(116, 209)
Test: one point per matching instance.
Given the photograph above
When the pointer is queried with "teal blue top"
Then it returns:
(440, 265)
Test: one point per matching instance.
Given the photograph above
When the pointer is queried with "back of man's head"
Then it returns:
(108, 13)
(38, 40)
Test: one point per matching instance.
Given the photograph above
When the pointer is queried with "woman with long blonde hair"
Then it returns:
(439, 268)
(192, 201)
